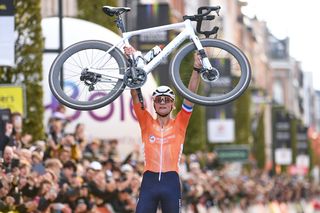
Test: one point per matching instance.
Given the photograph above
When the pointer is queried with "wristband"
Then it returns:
(198, 70)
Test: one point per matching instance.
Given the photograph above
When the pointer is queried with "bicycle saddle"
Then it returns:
(111, 11)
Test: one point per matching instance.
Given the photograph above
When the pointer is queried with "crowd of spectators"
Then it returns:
(69, 173)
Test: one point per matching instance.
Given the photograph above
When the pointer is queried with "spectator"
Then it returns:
(9, 161)
(56, 131)
(81, 206)
(68, 143)
(69, 169)
(37, 164)
(113, 151)
(54, 165)
(92, 150)
(106, 184)
(80, 136)
(16, 120)
(124, 202)
(65, 154)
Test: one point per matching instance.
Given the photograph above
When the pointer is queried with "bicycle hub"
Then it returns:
(89, 78)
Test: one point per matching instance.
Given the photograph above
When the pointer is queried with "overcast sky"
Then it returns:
(298, 20)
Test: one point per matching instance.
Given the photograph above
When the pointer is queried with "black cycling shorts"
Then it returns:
(165, 192)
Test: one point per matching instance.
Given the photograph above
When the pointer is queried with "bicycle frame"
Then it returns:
(94, 61)
(187, 32)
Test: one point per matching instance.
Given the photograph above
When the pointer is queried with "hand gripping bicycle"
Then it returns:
(100, 71)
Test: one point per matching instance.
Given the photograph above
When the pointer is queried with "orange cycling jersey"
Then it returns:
(162, 145)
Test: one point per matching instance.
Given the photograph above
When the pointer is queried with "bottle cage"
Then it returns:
(203, 14)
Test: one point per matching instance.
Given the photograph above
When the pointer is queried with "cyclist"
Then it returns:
(163, 140)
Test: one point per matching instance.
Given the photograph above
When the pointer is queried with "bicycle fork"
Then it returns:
(208, 73)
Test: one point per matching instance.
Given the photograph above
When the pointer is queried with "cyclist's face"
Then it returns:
(163, 104)
(163, 99)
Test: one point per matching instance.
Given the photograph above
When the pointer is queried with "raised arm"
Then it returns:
(128, 50)
(194, 79)
(134, 96)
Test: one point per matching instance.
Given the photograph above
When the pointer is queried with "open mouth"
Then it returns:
(162, 107)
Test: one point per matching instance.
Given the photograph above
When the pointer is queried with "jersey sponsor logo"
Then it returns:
(158, 140)
(152, 138)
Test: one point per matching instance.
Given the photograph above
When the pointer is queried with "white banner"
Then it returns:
(115, 121)
(303, 161)
(283, 156)
(221, 130)
(7, 40)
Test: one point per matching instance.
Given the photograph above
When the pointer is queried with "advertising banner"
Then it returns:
(13, 98)
(221, 130)
(302, 139)
(114, 121)
(234, 153)
(281, 129)
(283, 156)
(220, 123)
(7, 38)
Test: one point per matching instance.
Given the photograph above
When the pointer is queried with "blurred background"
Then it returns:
(274, 126)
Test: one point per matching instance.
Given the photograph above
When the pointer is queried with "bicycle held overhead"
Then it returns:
(101, 71)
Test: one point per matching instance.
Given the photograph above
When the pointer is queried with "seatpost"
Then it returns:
(120, 24)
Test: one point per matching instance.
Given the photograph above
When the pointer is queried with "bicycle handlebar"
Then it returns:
(209, 10)
(204, 16)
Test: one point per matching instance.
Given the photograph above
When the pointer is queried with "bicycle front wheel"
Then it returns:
(231, 71)
(82, 76)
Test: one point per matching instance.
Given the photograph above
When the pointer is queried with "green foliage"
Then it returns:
(242, 118)
(92, 11)
(312, 157)
(259, 153)
(28, 70)
(196, 135)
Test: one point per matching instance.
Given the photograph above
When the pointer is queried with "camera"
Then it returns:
(5, 116)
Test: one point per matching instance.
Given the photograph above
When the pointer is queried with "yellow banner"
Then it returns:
(12, 97)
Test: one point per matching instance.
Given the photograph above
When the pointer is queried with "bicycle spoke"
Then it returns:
(99, 60)
(76, 63)
(226, 68)
(87, 57)
(91, 76)
(78, 55)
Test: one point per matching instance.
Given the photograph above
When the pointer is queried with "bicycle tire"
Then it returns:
(67, 61)
(205, 98)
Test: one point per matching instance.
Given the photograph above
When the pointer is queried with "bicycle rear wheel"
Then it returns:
(230, 65)
(81, 76)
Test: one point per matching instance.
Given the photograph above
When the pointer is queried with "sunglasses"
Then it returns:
(163, 99)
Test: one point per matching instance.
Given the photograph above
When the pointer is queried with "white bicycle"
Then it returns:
(91, 74)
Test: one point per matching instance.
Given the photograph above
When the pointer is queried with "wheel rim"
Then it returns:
(75, 93)
(224, 57)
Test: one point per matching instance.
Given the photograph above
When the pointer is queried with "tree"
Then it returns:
(259, 151)
(242, 118)
(92, 11)
(28, 70)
